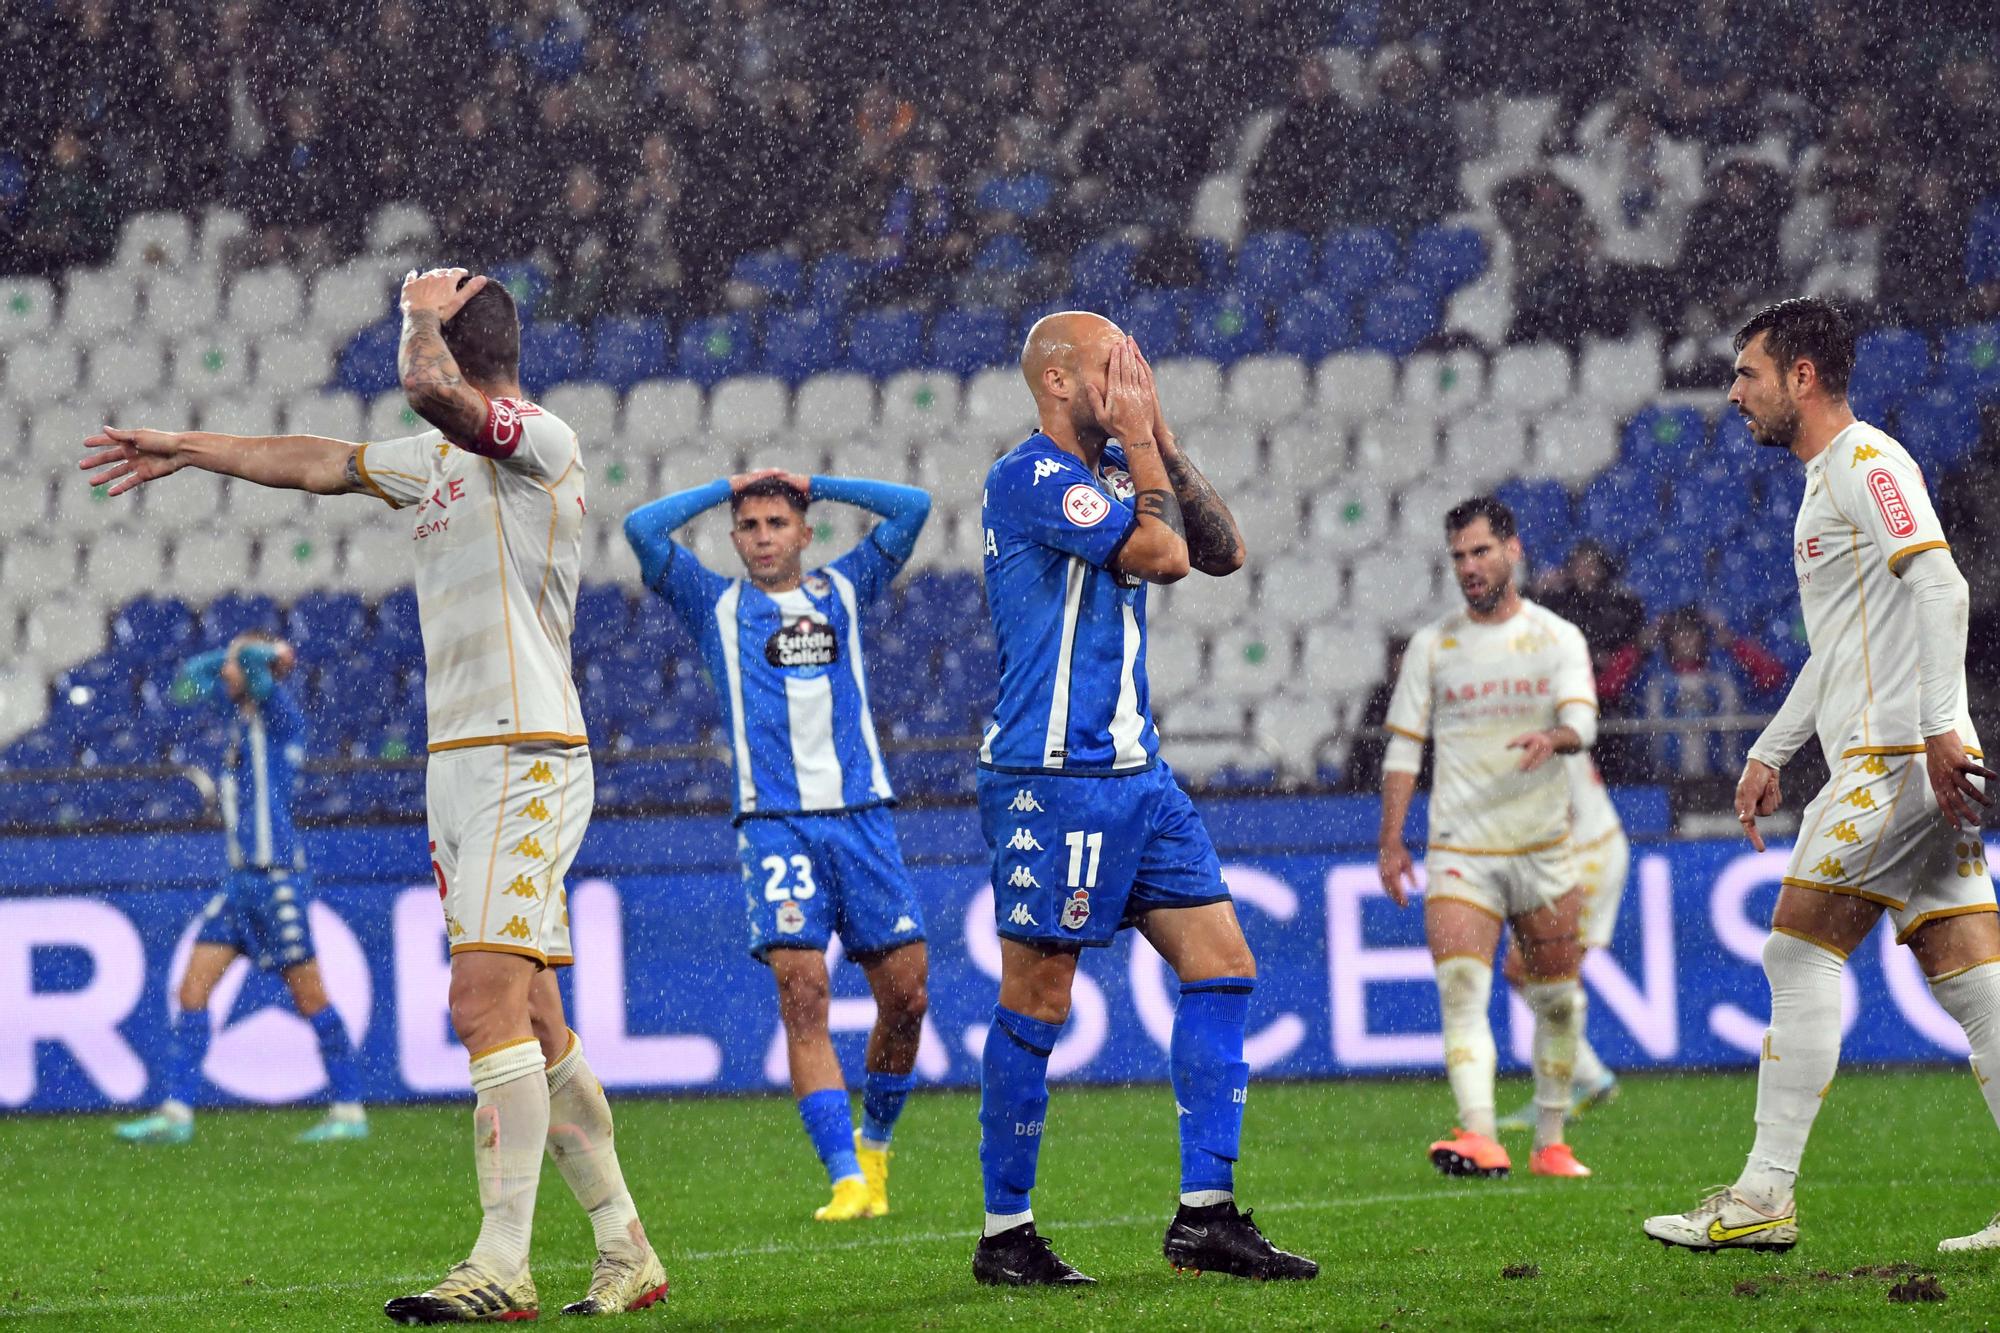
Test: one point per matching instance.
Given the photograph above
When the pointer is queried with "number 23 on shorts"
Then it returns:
(776, 868)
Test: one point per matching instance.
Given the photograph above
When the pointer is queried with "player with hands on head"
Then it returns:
(495, 489)
(813, 830)
(1896, 829)
(1502, 687)
(1089, 831)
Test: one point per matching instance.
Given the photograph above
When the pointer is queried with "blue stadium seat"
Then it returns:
(1026, 194)
(1664, 439)
(1756, 572)
(834, 278)
(1397, 318)
(236, 613)
(1272, 265)
(1982, 244)
(969, 339)
(800, 343)
(1157, 317)
(528, 284)
(1972, 361)
(1710, 498)
(1100, 273)
(715, 348)
(38, 749)
(1315, 324)
(154, 629)
(1005, 253)
(1674, 573)
(1619, 508)
(775, 276)
(602, 613)
(1226, 328)
(1940, 426)
(1216, 262)
(1358, 260)
(326, 622)
(1889, 366)
(886, 341)
(625, 350)
(551, 354)
(1442, 259)
(367, 365)
(1544, 513)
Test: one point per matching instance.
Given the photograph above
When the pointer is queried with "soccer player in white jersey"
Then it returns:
(1603, 858)
(1502, 687)
(1896, 828)
(497, 500)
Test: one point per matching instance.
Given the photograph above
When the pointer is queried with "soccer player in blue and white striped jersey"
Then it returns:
(261, 912)
(1089, 831)
(819, 851)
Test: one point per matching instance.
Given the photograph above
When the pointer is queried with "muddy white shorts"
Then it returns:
(1601, 867)
(1505, 885)
(505, 824)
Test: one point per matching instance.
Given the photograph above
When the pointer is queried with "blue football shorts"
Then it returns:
(262, 915)
(807, 878)
(1077, 859)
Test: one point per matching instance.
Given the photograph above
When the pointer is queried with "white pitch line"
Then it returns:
(964, 1234)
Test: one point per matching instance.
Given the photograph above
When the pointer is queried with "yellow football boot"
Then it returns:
(851, 1199)
(874, 1170)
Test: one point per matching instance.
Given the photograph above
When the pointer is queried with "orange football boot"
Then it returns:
(1556, 1160)
(1468, 1154)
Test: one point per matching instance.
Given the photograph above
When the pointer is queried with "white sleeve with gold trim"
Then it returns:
(1879, 488)
(398, 472)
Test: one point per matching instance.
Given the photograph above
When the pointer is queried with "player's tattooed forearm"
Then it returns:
(354, 482)
(1212, 537)
(1163, 506)
(432, 380)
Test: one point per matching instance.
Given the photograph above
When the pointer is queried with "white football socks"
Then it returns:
(1558, 1017)
(1465, 987)
(999, 1222)
(580, 1142)
(1801, 1052)
(509, 1125)
(1590, 1072)
(1972, 996)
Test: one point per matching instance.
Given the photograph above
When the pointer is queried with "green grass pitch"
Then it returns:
(244, 1230)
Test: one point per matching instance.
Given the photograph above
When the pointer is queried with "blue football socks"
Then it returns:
(882, 1098)
(830, 1126)
(1013, 1099)
(187, 1047)
(343, 1075)
(1210, 1079)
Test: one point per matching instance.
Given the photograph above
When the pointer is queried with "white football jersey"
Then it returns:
(1473, 687)
(499, 551)
(1592, 816)
(1865, 511)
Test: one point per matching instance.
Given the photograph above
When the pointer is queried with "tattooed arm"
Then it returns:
(1156, 548)
(431, 379)
(1215, 543)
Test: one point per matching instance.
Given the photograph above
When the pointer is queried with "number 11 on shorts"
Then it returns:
(1079, 876)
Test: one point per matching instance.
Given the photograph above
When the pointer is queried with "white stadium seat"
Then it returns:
(1443, 384)
(97, 302)
(1352, 385)
(1620, 375)
(208, 563)
(336, 416)
(27, 309)
(180, 303)
(60, 634)
(1484, 310)
(962, 543)
(1305, 452)
(131, 564)
(1341, 657)
(1486, 447)
(243, 414)
(1229, 453)
(217, 362)
(1388, 587)
(618, 483)
(125, 367)
(1529, 377)
(263, 300)
(1264, 390)
(349, 297)
(1268, 517)
(660, 412)
(397, 227)
(40, 568)
(1295, 727)
(1300, 588)
(253, 508)
(870, 456)
(749, 410)
(997, 405)
(1190, 388)
(832, 407)
(1219, 212)
(296, 560)
(160, 411)
(1174, 653)
(1202, 603)
(1574, 444)
(377, 559)
(953, 477)
(56, 433)
(156, 240)
(1420, 512)
(591, 410)
(1250, 660)
(41, 372)
(919, 403)
(1349, 517)
(220, 225)
(390, 417)
(1397, 449)
(289, 362)
(184, 502)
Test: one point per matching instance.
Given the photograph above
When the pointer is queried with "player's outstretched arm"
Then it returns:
(904, 509)
(1156, 549)
(650, 528)
(127, 459)
(432, 381)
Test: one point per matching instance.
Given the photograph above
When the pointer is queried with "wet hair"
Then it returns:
(485, 335)
(1496, 513)
(764, 486)
(1806, 328)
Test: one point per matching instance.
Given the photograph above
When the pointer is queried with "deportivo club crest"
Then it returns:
(1076, 910)
(791, 918)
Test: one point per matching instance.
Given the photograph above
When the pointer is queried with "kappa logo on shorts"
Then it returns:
(1085, 506)
(1023, 841)
(1845, 832)
(516, 928)
(1021, 916)
(451, 926)
(1874, 765)
(529, 847)
(1046, 467)
(1022, 878)
(539, 771)
(1829, 867)
(1860, 798)
(1025, 803)
(791, 918)
(523, 887)
(1076, 910)
(535, 809)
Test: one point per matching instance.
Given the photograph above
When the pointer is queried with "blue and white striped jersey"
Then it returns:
(267, 743)
(788, 666)
(1072, 630)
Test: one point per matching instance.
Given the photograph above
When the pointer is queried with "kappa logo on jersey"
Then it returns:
(806, 642)
(1025, 803)
(904, 923)
(1121, 483)
(1889, 499)
(1023, 878)
(1085, 506)
(1862, 453)
(1076, 910)
(1023, 841)
(1021, 916)
(1046, 467)
(791, 918)
(816, 585)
